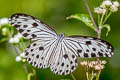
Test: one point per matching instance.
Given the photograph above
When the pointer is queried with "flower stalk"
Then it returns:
(104, 11)
(24, 66)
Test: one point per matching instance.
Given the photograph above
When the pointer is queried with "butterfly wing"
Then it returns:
(89, 47)
(64, 61)
(44, 38)
(31, 27)
(39, 53)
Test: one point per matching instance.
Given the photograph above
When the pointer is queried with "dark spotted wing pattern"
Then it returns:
(50, 50)
(89, 47)
(65, 61)
(32, 28)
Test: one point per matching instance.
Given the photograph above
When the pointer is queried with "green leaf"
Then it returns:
(85, 18)
(107, 26)
(3, 39)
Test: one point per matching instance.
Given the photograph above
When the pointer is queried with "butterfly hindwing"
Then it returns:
(65, 61)
(89, 47)
(31, 27)
(38, 53)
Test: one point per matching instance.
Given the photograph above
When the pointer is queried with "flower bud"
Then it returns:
(4, 31)
(116, 3)
(100, 10)
(106, 3)
(18, 59)
(113, 8)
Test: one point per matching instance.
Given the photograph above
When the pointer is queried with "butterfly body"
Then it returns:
(59, 52)
(60, 37)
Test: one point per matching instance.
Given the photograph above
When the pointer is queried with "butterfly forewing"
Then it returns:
(89, 47)
(32, 28)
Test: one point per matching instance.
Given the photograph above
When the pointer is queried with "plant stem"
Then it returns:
(101, 21)
(98, 18)
(29, 76)
(91, 16)
(107, 17)
(98, 30)
(98, 75)
(87, 75)
(24, 66)
(73, 76)
(99, 33)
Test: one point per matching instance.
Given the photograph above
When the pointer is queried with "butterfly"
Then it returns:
(56, 51)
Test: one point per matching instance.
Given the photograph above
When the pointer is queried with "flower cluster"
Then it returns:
(21, 58)
(16, 38)
(93, 68)
(100, 10)
(107, 5)
(4, 21)
(96, 65)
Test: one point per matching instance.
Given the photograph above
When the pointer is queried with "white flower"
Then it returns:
(106, 3)
(90, 64)
(18, 59)
(113, 8)
(116, 3)
(11, 40)
(18, 35)
(97, 67)
(93, 62)
(103, 62)
(4, 21)
(23, 60)
(4, 29)
(100, 10)
(22, 55)
(84, 63)
(16, 38)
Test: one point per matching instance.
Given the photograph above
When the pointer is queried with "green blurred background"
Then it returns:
(54, 13)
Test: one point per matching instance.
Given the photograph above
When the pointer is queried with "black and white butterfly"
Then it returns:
(59, 52)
